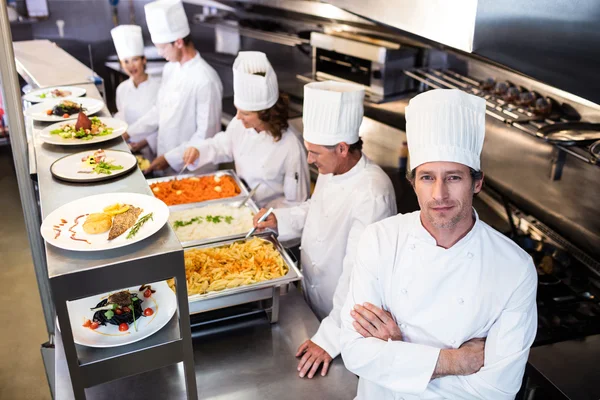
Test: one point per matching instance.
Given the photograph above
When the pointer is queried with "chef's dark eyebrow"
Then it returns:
(451, 172)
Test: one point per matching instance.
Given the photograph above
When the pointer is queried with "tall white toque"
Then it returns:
(128, 41)
(332, 112)
(166, 21)
(254, 92)
(445, 125)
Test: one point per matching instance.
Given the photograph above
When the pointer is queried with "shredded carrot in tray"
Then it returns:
(195, 189)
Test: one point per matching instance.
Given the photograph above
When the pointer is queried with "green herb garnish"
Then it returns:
(42, 96)
(134, 230)
(106, 168)
(109, 314)
(215, 219)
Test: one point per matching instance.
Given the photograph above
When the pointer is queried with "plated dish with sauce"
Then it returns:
(105, 221)
(123, 316)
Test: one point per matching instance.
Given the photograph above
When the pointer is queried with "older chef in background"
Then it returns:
(189, 100)
(138, 94)
(351, 193)
(441, 306)
(265, 151)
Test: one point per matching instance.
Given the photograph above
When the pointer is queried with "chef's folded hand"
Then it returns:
(160, 163)
(312, 357)
(190, 156)
(468, 359)
(125, 136)
(137, 146)
(372, 321)
(269, 223)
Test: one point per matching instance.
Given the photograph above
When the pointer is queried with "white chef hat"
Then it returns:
(445, 125)
(166, 21)
(254, 92)
(332, 112)
(128, 41)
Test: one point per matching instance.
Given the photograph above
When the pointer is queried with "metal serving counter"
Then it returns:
(73, 275)
(248, 359)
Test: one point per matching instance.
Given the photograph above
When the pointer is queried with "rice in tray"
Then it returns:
(211, 221)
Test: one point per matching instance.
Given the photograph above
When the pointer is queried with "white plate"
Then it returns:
(69, 168)
(119, 127)
(34, 95)
(163, 303)
(95, 204)
(38, 111)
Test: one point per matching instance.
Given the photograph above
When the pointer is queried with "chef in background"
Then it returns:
(351, 193)
(138, 94)
(189, 99)
(441, 306)
(258, 139)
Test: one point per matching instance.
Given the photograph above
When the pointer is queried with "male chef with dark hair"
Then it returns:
(440, 305)
(351, 193)
(188, 107)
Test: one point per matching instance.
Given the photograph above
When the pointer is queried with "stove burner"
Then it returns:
(501, 88)
(512, 94)
(488, 84)
(526, 99)
(542, 107)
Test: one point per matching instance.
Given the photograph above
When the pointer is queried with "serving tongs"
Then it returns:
(252, 192)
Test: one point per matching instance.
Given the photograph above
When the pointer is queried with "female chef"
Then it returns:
(258, 140)
(138, 94)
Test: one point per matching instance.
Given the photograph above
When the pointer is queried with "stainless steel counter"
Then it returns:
(248, 359)
(32, 60)
(73, 275)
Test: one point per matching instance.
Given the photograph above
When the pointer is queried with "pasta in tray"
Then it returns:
(230, 266)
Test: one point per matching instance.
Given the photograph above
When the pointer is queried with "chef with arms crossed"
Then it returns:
(265, 151)
(351, 193)
(136, 95)
(189, 100)
(440, 306)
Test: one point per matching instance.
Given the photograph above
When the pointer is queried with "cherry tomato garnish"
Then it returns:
(94, 325)
(124, 327)
(118, 311)
(87, 323)
(65, 115)
(148, 312)
(48, 112)
(126, 309)
(147, 293)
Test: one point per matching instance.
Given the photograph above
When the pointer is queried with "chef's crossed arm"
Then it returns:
(413, 368)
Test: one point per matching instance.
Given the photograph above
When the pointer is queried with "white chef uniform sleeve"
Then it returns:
(296, 180)
(396, 365)
(208, 114)
(290, 221)
(146, 123)
(152, 142)
(120, 114)
(506, 349)
(216, 150)
(371, 210)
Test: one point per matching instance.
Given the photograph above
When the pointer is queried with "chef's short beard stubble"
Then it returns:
(464, 212)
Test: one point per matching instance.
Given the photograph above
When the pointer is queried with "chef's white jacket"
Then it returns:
(188, 108)
(134, 102)
(331, 223)
(482, 287)
(280, 167)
